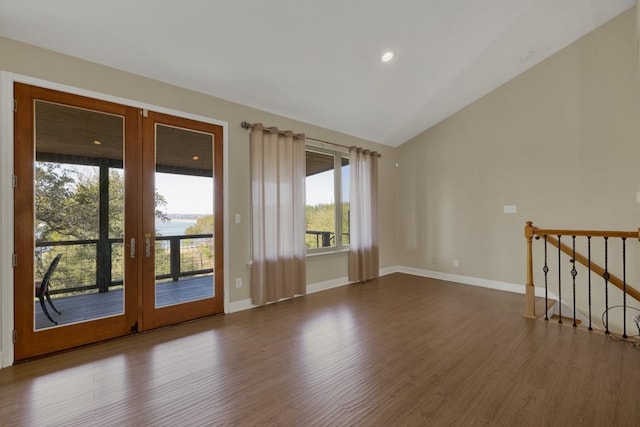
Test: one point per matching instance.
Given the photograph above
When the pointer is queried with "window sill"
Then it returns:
(329, 252)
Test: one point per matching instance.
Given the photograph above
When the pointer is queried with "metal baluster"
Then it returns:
(559, 281)
(624, 287)
(545, 269)
(589, 254)
(606, 284)
(574, 273)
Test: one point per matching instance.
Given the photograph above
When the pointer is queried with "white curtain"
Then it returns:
(363, 204)
(278, 215)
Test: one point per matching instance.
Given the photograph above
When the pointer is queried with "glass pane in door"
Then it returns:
(184, 220)
(79, 215)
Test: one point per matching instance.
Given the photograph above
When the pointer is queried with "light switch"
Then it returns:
(237, 218)
(509, 209)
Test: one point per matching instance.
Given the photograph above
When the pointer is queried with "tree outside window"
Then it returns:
(327, 200)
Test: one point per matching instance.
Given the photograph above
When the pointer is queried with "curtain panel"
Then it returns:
(278, 215)
(363, 243)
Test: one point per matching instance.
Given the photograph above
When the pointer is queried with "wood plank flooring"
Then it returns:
(400, 350)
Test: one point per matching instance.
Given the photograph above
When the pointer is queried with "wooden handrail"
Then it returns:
(530, 231)
(583, 233)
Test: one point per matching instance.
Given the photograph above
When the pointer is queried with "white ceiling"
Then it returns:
(318, 61)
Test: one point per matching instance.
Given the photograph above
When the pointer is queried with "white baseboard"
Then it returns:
(466, 280)
(540, 294)
(474, 281)
(343, 281)
(389, 270)
(246, 304)
(326, 285)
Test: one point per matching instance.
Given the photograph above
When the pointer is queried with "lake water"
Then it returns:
(174, 227)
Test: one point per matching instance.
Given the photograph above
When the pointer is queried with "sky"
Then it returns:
(186, 194)
(319, 188)
(194, 195)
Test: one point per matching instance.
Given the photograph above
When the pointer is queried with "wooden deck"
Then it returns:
(79, 308)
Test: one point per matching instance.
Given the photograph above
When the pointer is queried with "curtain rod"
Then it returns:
(247, 125)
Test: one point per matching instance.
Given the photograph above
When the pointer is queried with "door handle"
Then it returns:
(147, 245)
(132, 247)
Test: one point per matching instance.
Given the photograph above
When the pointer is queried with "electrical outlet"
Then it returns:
(239, 282)
(456, 263)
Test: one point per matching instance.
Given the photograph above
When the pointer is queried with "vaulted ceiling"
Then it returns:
(318, 61)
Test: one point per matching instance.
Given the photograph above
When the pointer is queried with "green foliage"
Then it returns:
(67, 208)
(198, 254)
(203, 225)
(53, 191)
(321, 218)
(67, 202)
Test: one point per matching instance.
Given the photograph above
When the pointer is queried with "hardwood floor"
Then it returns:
(400, 350)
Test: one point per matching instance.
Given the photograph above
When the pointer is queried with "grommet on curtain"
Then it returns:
(302, 136)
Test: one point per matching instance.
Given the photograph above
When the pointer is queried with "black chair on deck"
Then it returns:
(42, 290)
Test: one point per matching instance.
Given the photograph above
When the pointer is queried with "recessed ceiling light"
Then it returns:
(96, 142)
(195, 157)
(387, 56)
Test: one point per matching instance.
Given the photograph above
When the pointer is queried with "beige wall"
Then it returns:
(43, 64)
(560, 141)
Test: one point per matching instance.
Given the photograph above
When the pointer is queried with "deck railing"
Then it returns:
(187, 255)
(89, 264)
(602, 242)
(324, 239)
(83, 267)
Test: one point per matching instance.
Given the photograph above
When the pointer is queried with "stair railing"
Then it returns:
(553, 237)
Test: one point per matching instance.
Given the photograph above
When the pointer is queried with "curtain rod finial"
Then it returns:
(245, 125)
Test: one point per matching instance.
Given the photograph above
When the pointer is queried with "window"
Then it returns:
(327, 200)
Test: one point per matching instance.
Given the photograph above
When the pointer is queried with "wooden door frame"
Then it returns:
(7, 80)
(36, 343)
(154, 317)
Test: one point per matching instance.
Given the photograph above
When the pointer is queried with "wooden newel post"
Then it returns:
(530, 294)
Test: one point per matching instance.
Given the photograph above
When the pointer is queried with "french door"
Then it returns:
(118, 220)
(178, 269)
